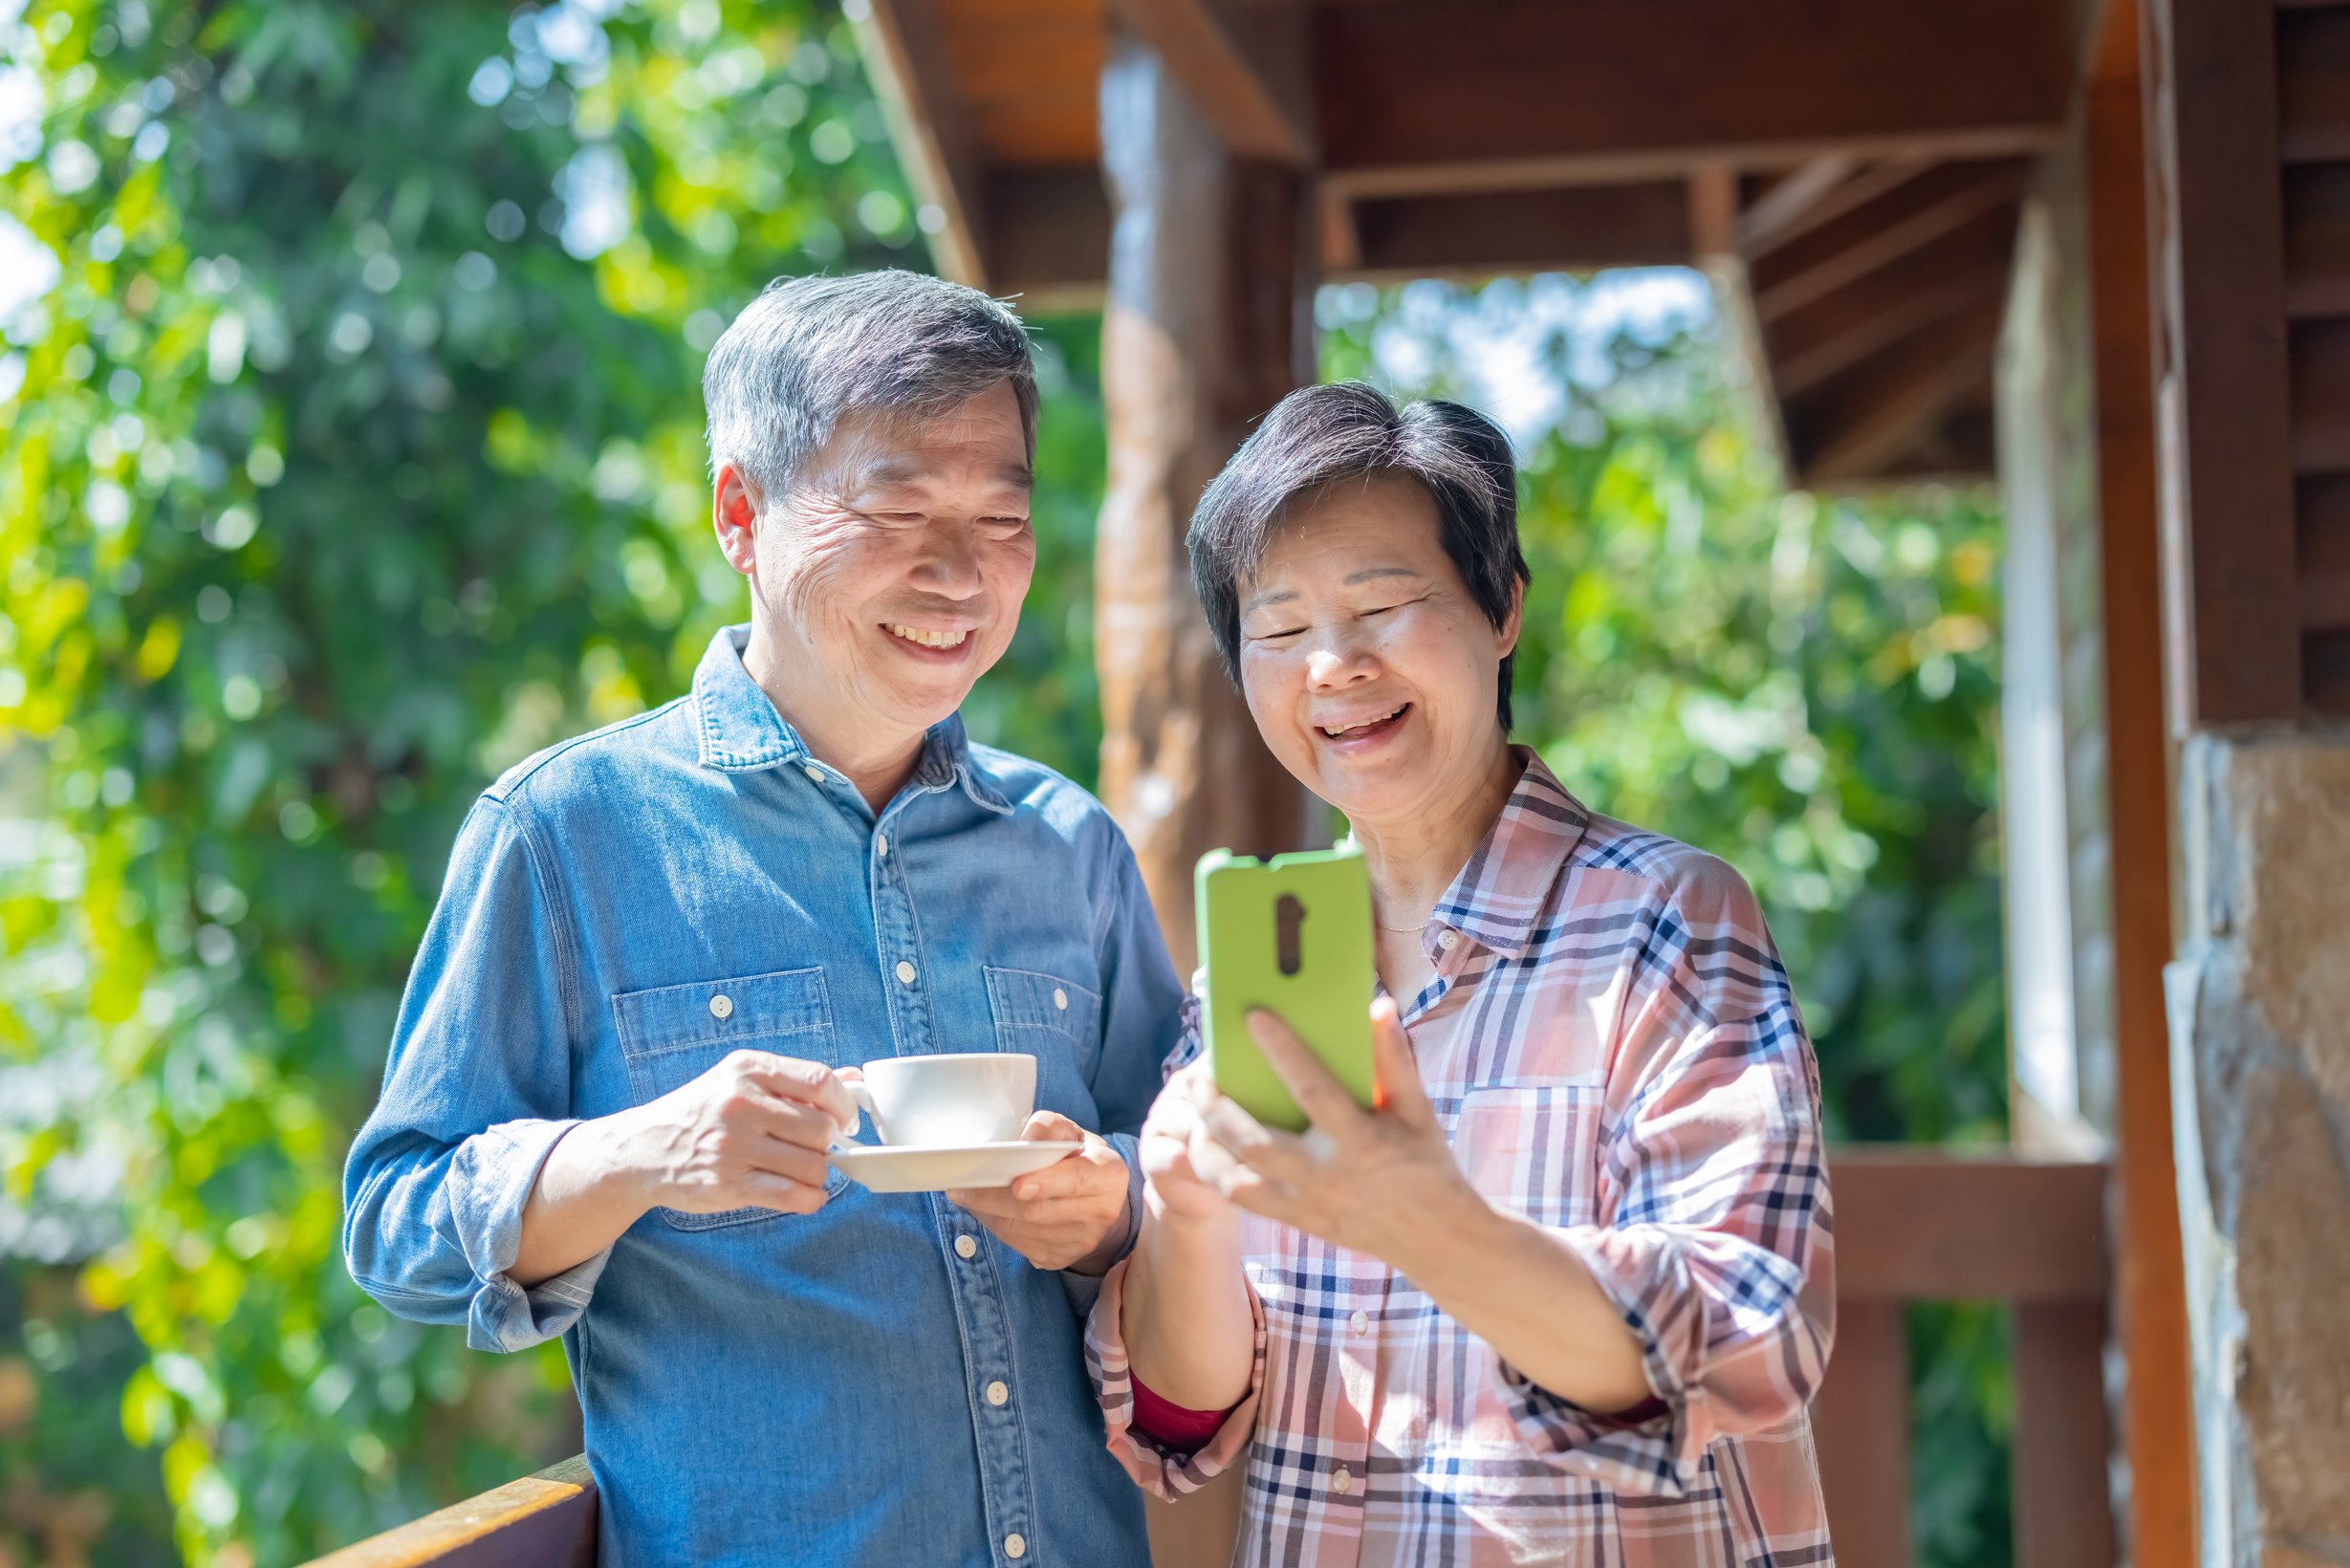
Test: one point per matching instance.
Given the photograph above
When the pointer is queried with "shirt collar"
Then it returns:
(1508, 880)
(742, 732)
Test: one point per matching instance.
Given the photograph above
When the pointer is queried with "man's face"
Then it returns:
(890, 578)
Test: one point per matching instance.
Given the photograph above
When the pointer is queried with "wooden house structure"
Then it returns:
(2098, 248)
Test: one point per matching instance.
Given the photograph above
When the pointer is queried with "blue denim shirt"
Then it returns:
(766, 1388)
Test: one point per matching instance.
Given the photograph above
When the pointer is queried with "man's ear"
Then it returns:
(734, 513)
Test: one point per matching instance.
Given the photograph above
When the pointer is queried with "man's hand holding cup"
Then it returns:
(751, 1132)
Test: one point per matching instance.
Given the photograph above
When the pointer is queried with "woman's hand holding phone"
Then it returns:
(1182, 1165)
(1381, 1181)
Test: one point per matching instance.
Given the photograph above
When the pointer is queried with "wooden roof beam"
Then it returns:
(1244, 71)
(930, 125)
(1580, 229)
(1922, 211)
(1885, 409)
(1869, 183)
(1831, 335)
(1428, 94)
(1785, 204)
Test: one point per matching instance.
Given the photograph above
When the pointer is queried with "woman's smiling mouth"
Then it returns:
(1358, 732)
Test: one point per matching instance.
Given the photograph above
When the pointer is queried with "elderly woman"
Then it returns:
(1562, 1297)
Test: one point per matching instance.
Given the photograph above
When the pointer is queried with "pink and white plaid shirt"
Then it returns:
(1615, 1051)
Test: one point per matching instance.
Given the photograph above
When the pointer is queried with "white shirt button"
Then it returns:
(813, 772)
(1060, 998)
(722, 1006)
(966, 1247)
(1016, 1546)
(998, 1393)
(880, 843)
(905, 972)
(1448, 940)
(1360, 1322)
(1343, 1480)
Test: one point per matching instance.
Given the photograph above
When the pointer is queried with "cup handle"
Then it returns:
(864, 1102)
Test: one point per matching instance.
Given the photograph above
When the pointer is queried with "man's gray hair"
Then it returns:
(1319, 436)
(811, 349)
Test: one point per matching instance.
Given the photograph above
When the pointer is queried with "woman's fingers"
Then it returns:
(1281, 1156)
(1315, 1088)
(1400, 1093)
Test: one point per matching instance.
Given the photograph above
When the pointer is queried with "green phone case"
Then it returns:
(1321, 979)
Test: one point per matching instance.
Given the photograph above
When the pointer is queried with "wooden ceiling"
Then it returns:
(1850, 171)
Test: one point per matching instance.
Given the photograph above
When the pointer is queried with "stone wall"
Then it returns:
(2260, 1026)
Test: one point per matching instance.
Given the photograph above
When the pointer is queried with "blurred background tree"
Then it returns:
(353, 452)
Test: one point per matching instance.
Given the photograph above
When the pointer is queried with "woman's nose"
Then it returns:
(1335, 663)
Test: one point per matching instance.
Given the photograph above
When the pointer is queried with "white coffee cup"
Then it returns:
(948, 1102)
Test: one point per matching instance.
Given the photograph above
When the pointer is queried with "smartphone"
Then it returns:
(1292, 934)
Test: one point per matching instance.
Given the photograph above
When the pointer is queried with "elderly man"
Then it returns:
(614, 1077)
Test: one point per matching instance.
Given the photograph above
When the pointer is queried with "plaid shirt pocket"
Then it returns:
(1531, 1148)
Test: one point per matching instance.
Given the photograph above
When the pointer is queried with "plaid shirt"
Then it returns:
(1615, 1051)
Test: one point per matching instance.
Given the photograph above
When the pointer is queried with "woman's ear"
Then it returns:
(1505, 635)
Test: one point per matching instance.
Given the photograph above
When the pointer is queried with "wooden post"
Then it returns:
(1209, 321)
(2222, 370)
(2157, 1418)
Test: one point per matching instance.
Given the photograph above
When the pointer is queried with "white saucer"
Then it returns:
(884, 1169)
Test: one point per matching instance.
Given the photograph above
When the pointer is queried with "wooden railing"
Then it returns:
(1928, 1225)
(546, 1521)
(1911, 1225)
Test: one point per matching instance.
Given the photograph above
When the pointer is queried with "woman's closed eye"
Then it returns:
(1277, 634)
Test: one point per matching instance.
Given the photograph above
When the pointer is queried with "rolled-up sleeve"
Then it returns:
(1164, 1473)
(477, 1092)
(1714, 1241)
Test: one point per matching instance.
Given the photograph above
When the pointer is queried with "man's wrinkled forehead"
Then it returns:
(873, 448)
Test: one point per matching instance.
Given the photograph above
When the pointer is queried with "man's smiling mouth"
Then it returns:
(929, 639)
(1360, 726)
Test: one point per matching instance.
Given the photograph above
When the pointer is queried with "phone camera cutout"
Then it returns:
(1288, 915)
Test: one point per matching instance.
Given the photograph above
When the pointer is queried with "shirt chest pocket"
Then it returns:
(672, 1035)
(1530, 1148)
(1045, 1016)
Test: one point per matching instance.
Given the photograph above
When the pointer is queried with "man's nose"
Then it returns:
(950, 561)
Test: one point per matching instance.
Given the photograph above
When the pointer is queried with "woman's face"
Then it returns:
(1369, 669)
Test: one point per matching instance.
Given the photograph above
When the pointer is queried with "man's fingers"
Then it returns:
(796, 1161)
(796, 1079)
(1073, 1176)
(1315, 1088)
(1396, 1071)
(789, 1120)
(1051, 1127)
(768, 1190)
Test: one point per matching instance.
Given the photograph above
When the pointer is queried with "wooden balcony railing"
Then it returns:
(1929, 1224)
(546, 1521)
(1911, 1225)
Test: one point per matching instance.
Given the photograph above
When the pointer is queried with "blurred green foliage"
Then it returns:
(355, 453)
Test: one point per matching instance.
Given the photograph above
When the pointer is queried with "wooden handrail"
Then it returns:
(1917, 1223)
(546, 1521)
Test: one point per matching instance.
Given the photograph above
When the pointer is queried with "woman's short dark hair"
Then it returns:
(1324, 435)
